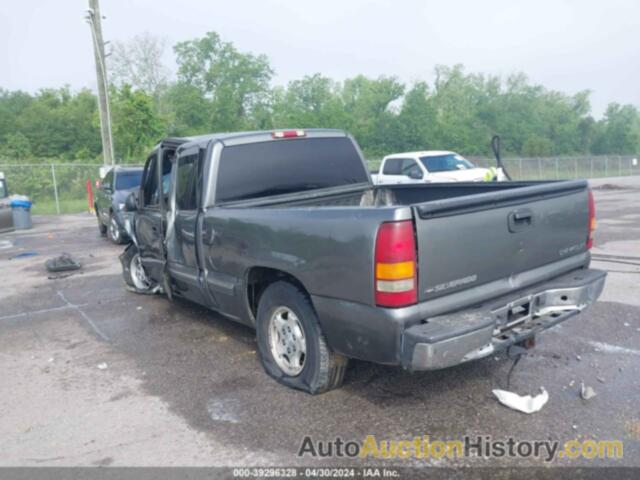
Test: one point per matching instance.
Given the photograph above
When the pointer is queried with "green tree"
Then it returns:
(619, 130)
(311, 102)
(369, 106)
(136, 126)
(233, 82)
(16, 147)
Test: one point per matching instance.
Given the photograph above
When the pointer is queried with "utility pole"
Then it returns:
(94, 18)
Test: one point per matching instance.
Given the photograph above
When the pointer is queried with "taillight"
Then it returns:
(592, 220)
(288, 134)
(396, 276)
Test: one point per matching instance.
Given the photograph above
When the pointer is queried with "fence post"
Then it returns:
(606, 165)
(520, 178)
(619, 166)
(557, 176)
(539, 168)
(591, 169)
(575, 166)
(55, 187)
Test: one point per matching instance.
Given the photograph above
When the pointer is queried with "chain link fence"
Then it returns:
(58, 188)
(558, 168)
(53, 188)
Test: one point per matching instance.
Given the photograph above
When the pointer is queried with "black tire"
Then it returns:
(127, 259)
(114, 231)
(323, 369)
(101, 228)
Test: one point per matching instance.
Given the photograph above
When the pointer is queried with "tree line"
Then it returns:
(218, 88)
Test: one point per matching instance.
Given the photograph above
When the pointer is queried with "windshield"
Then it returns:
(446, 163)
(128, 180)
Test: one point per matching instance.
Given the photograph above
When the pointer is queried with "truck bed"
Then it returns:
(410, 195)
(471, 234)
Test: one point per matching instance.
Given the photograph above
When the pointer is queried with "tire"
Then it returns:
(130, 263)
(114, 231)
(101, 228)
(285, 306)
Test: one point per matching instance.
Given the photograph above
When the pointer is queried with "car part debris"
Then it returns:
(62, 263)
(525, 404)
(60, 276)
(514, 352)
(24, 255)
(587, 393)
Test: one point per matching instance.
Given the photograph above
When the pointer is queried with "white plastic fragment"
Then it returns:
(102, 366)
(586, 393)
(525, 404)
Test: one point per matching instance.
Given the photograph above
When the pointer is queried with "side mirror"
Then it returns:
(415, 174)
(131, 203)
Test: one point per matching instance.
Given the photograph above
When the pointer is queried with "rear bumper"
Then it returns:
(475, 333)
(447, 339)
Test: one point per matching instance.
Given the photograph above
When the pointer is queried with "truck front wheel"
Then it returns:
(134, 274)
(292, 347)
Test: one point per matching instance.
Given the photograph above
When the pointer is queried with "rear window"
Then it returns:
(128, 180)
(286, 166)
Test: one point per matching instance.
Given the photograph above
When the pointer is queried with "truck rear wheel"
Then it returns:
(292, 348)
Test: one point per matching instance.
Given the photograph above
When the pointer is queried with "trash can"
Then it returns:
(21, 210)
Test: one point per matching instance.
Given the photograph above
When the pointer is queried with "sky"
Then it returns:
(566, 45)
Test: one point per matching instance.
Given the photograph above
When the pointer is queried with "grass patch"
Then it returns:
(47, 206)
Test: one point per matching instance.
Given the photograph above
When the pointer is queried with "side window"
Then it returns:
(149, 183)
(107, 183)
(409, 165)
(187, 181)
(392, 166)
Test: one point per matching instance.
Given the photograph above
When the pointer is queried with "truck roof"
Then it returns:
(234, 138)
(421, 153)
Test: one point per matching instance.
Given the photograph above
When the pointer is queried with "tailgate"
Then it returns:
(468, 241)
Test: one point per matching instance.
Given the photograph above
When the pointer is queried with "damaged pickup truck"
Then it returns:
(285, 232)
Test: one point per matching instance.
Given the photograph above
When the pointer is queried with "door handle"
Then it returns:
(523, 215)
(519, 220)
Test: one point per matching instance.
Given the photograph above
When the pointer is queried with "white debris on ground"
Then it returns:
(608, 348)
(525, 404)
(587, 393)
(102, 366)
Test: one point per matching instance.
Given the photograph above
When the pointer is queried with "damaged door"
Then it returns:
(182, 245)
(150, 219)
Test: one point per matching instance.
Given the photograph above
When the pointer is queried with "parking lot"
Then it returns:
(93, 374)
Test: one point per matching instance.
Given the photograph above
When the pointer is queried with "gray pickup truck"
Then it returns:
(284, 231)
